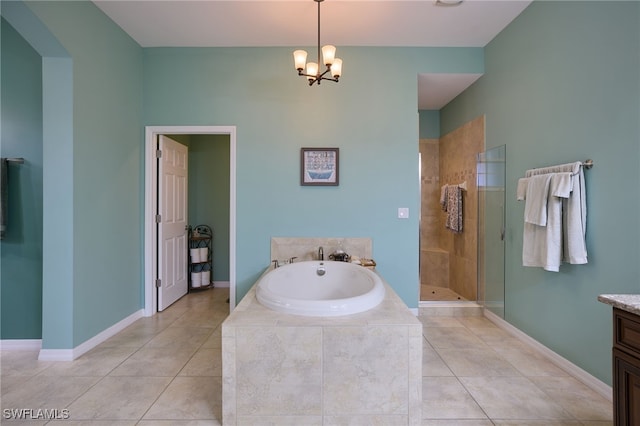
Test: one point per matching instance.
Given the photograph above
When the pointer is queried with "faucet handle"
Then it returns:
(291, 259)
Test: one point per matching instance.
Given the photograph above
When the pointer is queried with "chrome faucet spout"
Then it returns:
(320, 253)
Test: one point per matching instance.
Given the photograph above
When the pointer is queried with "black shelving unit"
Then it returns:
(201, 237)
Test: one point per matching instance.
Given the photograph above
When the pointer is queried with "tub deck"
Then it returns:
(288, 369)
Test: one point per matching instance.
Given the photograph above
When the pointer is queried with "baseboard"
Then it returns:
(71, 354)
(56, 355)
(221, 284)
(21, 344)
(592, 382)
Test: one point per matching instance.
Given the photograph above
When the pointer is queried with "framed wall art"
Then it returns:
(319, 166)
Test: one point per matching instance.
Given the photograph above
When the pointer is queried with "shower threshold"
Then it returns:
(452, 308)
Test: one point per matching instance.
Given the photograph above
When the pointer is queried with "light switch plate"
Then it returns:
(403, 213)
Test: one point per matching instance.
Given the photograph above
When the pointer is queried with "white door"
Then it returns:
(172, 226)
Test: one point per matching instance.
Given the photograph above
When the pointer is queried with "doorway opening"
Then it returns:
(448, 249)
(151, 207)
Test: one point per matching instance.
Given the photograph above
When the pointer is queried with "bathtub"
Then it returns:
(320, 288)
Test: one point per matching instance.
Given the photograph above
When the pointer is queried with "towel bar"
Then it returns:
(587, 164)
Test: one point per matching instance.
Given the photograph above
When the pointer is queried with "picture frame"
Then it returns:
(319, 166)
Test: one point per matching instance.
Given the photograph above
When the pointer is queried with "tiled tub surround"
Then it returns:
(284, 248)
(284, 369)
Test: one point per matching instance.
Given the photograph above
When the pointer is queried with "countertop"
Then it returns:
(626, 302)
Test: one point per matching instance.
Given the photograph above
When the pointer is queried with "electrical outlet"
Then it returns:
(403, 213)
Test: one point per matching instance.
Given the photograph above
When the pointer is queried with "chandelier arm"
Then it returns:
(322, 76)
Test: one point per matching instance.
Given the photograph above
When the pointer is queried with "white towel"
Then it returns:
(574, 219)
(542, 245)
(535, 208)
(563, 236)
(561, 184)
(521, 193)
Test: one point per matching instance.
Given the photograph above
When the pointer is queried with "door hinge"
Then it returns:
(158, 283)
(158, 153)
(158, 218)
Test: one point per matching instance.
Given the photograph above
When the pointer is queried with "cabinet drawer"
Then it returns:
(626, 330)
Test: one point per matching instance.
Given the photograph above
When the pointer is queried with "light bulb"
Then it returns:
(312, 70)
(336, 68)
(328, 54)
(300, 58)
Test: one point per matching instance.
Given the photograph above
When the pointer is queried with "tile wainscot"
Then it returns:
(283, 369)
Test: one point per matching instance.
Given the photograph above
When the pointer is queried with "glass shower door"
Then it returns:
(491, 174)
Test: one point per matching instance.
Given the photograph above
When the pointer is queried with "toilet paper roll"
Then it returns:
(196, 279)
(195, 255)
(206, 278)
(204, 254)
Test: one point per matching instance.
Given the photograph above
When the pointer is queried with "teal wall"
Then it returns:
(92, 106)
(276, 113)
(429, 124)
(562, 83)
(21, 249)
(209, 194)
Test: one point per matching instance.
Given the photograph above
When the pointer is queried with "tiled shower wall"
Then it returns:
(449, 259)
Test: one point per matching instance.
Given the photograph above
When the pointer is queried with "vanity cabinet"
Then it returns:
(200, 267)
(626, 368)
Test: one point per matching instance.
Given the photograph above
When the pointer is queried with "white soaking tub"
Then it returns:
(320, 288)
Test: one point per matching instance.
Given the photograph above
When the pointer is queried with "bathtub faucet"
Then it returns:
(278, 263)
(320, 253)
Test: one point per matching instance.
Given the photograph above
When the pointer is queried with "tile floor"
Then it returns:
(434, 293)
(166, 370)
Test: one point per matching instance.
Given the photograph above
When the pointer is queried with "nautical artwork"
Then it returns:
(319, 166)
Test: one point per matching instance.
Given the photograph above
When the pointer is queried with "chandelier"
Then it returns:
(311, 70)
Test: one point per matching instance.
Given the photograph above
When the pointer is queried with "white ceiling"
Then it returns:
(420, 23)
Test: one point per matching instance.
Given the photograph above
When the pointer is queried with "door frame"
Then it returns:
(151, 207)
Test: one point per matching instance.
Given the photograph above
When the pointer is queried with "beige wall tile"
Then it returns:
(365, 373)
(278, 370)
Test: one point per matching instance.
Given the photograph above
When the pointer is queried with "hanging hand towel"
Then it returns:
(454, 208)
(574, 212)
(521, 193)
(4, 197)
(535, 208)
(561, 184)
(443, 198)
(542, 245)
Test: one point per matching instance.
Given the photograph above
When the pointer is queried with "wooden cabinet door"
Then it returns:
(626, 396)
